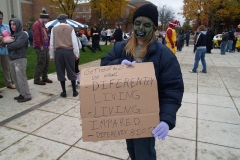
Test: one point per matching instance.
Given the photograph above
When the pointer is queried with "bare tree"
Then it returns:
(166, 14)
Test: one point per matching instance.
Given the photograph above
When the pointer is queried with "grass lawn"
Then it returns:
(85, 57)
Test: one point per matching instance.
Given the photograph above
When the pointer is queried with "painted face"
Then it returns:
(143, 27)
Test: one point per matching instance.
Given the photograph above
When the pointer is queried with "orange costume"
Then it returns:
(171, 36)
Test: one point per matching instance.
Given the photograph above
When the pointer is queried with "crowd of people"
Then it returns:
(13, 54)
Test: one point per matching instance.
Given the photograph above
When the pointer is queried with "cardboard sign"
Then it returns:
(119, 102)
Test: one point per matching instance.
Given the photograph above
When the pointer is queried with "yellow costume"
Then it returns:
(174, 39)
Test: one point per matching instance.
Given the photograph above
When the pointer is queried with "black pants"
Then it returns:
(76, 66)
(107, 39)
(141, 148)
(209, 47)
(89, 47)
(95, 44)
(65, 60)
(187, 42)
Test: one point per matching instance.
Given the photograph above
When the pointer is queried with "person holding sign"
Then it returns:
(143, 47)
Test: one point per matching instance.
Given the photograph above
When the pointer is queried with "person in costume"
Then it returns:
(143, 47)
(171, 36)
(64, 41)
(41, 44)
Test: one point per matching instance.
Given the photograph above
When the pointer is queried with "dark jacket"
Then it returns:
(187, 35)
(231, 36)
(225, 37)
(180, 39)
(95, 37)
(117, 35)
(18, 48)
(210, 36)
(168, 75)
(201, 41)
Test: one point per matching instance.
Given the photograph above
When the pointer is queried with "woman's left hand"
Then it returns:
(161, 131)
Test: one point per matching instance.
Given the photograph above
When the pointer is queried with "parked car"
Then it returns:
(125, 36)
(217, 39)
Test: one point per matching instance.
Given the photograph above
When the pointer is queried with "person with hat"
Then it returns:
(143, 47)
(40, 44)
(64, 41)
(171, 36)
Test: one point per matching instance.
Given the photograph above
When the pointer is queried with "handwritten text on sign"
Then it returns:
(119, 102)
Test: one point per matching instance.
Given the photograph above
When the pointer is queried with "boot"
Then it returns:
(63, 94)
(75, 93)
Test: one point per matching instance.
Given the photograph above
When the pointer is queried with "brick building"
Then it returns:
(29, 11)
(125, 20)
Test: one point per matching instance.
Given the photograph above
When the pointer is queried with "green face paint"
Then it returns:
(143, 27)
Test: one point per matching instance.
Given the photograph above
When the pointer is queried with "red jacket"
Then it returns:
(37, 34)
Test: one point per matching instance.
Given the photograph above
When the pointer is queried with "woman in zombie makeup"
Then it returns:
(143, 47)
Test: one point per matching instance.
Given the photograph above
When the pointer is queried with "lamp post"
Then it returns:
(198, 14)
(163, 17)
(120, 13)
(100, 20)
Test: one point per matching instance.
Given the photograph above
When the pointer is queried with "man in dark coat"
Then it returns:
(187, 35)
(95, 38)
(210, 36)
(117, 35)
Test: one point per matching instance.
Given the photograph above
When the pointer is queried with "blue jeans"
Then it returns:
(230, 42)
(223, 47)
(200, 55)
(141, 148)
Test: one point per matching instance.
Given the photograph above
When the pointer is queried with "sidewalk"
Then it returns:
(207, 127)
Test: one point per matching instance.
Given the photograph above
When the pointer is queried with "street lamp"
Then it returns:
(100, 20)
(198, 14)
(163, 17)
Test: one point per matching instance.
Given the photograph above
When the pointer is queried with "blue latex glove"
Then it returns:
(161, 131)
(126, 62)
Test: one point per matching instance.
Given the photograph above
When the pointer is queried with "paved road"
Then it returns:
(48, 127)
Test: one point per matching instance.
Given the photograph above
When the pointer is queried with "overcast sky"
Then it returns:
(176, 5)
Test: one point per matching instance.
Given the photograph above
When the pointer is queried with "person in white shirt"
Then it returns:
(64, 42)
(109, 34)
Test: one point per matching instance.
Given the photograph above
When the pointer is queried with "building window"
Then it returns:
(89, 17)
(89, 9)
(77, 17)
(84, 16)
(84, 8)
(77, 9)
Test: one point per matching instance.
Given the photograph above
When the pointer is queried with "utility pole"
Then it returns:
(120, 16)
(163, 18)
